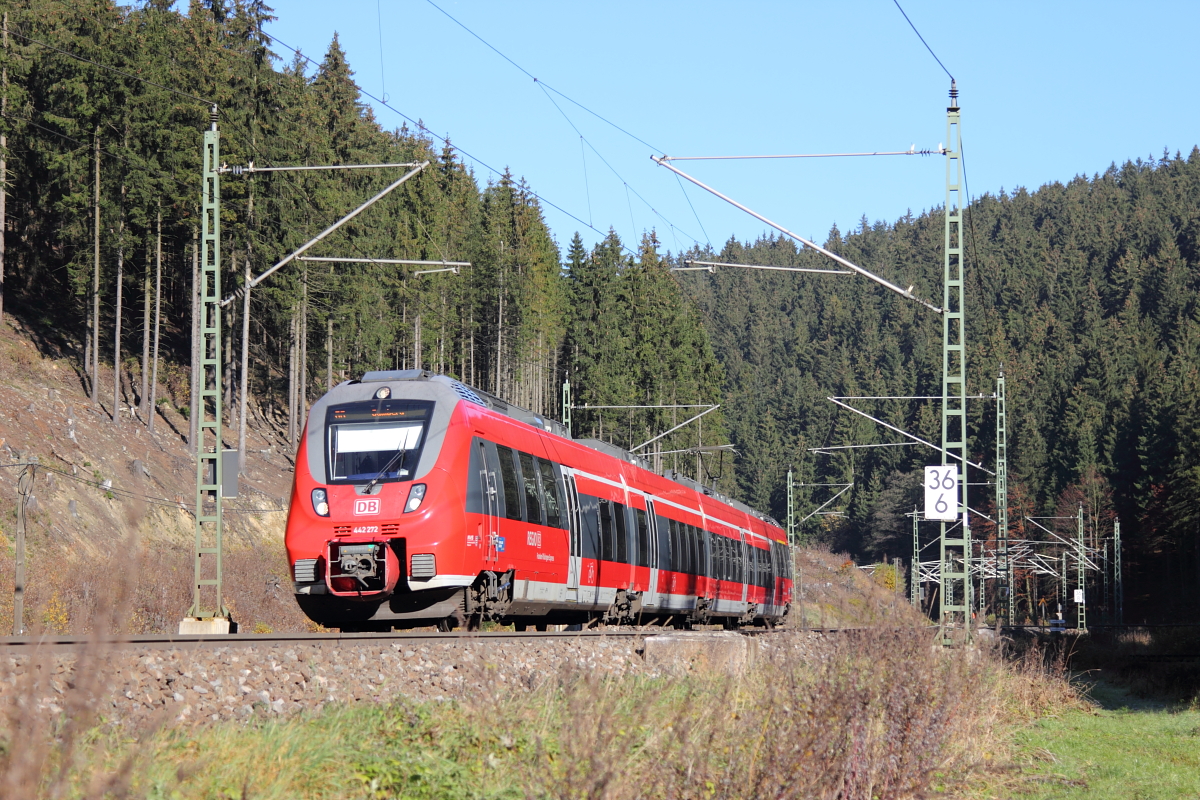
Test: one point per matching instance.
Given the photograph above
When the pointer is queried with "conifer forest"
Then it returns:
(1085, 293)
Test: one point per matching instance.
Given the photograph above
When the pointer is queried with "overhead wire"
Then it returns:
(624, 182)
(382, 101)
(586, 188)
(697, 216)
(962, 150)
(208, 102)
(541, 82)
(132, 495)
(379, 29)
(421, 126)
(922, 38)
(546, 89)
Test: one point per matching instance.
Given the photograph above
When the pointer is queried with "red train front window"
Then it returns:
(375, 440)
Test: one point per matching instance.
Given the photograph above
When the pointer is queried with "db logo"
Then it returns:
(366, 506)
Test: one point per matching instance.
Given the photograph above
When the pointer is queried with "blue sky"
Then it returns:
(1048, 91)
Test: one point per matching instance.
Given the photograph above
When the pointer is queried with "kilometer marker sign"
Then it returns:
(941, 493)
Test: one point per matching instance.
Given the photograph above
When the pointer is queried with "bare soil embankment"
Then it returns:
(110, 511)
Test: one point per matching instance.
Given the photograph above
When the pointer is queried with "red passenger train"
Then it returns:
(419, 500)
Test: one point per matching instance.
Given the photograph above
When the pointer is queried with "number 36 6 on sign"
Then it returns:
(941, 493)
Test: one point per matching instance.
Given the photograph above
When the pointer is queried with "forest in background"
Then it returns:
(103, 180)
(1085, 292)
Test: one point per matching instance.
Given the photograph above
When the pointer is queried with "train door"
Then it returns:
(744, 562)
(652, 522)
(706, 563)
(489, 487)
(772, 582)
(574, 537)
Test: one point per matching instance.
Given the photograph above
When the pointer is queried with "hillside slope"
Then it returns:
(111, 514)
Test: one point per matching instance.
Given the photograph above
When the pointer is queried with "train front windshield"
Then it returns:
(375, 439)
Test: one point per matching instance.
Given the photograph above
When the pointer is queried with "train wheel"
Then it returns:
(519, 627)
(541, 626)
(446, 625)
(474, 622)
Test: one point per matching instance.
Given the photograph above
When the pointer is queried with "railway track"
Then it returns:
(59, 643)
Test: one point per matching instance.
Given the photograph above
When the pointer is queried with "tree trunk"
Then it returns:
(157, 317)
(144, 395)
(244, 370)
(96, 271)
(116, 409)
(417, 360)
(292, 382)
(302, 381)
(194, 413)
(500, 337)
(3, 167)
(328, 352)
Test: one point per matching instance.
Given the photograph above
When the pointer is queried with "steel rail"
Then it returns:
(168, 641)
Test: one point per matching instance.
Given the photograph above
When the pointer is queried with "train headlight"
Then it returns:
(320, 501)
(415, 495)
(384, 393)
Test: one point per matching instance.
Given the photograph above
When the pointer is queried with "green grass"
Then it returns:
(1127, 748)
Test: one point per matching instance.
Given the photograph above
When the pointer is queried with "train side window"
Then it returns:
(697, 551)
(607, 531)
(622, 536)
(688, 545)
(560, 485)
(665, 545)
(643, 538)
(512, 485)
(533, 492)
(708, 558)
(589, 519)
(550, 492)
(673, 535)
(476, 480)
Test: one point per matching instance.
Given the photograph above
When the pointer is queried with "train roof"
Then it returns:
(490, 401)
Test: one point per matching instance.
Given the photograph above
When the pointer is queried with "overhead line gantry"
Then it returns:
(955, 572)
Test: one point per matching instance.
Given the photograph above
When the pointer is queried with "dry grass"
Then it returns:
(836, 592)
(874, 714)
(67, 590)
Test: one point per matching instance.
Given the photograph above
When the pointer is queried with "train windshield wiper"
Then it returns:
(398, 457)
